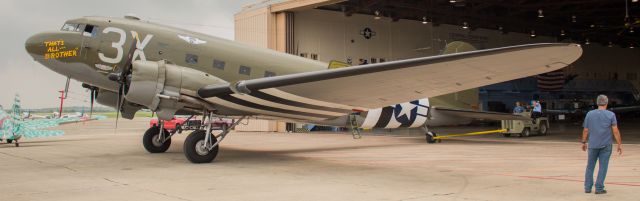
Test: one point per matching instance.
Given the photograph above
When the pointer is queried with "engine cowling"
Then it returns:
(159, 86)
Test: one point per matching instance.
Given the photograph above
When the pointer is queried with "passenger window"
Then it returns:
(245, 70)
(218, 64)
(191, 59)
(269, 74)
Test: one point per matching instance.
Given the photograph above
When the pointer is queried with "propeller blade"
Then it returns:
(119, 105)
(122, 77)
(93, 98)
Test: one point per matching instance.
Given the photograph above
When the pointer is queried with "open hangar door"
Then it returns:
(357, 32)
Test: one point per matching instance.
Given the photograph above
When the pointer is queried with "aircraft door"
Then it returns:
(90, 44)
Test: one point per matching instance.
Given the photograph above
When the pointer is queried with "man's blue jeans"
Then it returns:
(597, 154)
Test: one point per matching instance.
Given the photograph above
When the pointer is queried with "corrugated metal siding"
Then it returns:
(251, 28)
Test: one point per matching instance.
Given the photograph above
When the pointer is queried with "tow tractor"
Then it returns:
(525, 128)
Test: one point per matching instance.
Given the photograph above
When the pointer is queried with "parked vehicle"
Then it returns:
(173, 124)
(181, 123)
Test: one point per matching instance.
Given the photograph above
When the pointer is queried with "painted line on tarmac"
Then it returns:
(574, 180)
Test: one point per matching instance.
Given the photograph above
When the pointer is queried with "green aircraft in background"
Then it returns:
(131, 64)
(13, 127)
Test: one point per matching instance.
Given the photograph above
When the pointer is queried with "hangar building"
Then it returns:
(371, 31)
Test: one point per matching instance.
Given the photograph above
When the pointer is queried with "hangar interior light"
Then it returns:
(540, 14)
(465, 25)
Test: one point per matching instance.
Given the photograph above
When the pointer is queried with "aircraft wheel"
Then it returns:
(195, 150)
(151, 143)
(17, 144)
(507, 135)
(544, 130)
(9, 141)
(525, 133)
(429, 137)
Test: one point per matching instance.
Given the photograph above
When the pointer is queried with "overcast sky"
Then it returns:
(38, 86)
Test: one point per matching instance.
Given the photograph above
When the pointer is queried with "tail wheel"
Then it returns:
(195, 149)
(429, 137)
(151, 141)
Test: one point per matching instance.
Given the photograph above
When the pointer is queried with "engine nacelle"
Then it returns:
(159, 86)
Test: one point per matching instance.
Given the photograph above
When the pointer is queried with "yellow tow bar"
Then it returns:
(470, 134)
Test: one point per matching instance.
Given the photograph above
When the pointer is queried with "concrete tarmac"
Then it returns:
(94, 162)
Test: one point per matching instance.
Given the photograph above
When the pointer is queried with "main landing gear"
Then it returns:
(201, 146)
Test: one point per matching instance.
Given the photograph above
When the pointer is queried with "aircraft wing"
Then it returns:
(364, 87)
(625, 109)
(480, 115)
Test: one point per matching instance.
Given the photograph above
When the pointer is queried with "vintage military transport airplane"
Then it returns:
(131, 64)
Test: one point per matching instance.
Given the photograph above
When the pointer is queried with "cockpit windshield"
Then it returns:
(87, 29)
(69, 27)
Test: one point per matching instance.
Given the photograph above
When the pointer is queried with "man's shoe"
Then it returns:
(587, 191)
(601, 192)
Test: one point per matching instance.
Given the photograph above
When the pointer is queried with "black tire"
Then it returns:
(196, 154)
(525, 133)
(544, 130)
(151, 145)
(9, 141)
(506, 134)
(17, 144)
(429, 137)
(224, 127)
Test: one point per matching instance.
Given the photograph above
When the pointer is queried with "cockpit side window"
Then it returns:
(79, 28)
(69, 27)
(90, 30)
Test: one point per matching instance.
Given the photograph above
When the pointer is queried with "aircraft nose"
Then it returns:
(35, 44)
(54, 45)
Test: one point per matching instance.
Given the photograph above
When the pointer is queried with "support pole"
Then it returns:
(61, 103)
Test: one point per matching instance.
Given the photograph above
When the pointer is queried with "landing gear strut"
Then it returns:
(201, 146)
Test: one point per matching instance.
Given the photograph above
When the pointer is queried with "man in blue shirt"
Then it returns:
(518, 109)
(600, 126)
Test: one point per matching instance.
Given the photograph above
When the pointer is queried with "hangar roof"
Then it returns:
(601, 21)
(598, 21)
